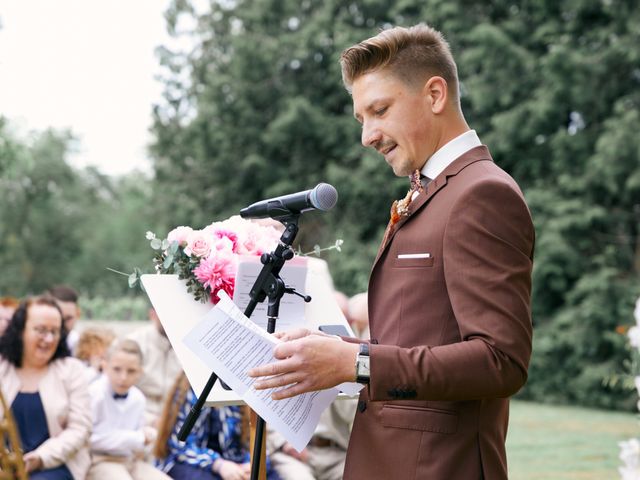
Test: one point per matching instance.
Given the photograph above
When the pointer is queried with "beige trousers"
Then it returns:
(105, 467)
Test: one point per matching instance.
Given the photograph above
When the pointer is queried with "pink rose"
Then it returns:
(198, 244)
(180, 235)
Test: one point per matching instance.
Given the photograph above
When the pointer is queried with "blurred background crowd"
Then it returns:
(91, 402)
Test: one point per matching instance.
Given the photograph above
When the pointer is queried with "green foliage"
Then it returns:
(125, 307)
(63, 225)
(263, 113)
(256, 109)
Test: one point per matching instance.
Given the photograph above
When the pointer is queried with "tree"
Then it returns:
(256, 109)
(63, 225)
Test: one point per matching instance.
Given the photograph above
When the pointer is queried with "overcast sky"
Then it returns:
(86, 65)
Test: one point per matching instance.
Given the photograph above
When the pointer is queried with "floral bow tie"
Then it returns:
(400, 208)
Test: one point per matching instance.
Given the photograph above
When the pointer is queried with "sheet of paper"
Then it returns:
(230, 344)
(292, 307)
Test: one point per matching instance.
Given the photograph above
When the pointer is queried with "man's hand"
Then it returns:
(32, 462)
(306, 364)
(296, 333)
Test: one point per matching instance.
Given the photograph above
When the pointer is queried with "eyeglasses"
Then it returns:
(44, 332)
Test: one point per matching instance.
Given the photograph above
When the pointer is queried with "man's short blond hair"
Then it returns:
(413, 55)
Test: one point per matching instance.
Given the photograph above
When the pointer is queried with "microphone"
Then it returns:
(322, 197)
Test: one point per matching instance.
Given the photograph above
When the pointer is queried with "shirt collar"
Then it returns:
(449, 152)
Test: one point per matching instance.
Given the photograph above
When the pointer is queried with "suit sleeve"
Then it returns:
(488, 251)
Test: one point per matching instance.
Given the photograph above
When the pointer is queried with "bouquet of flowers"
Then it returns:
(630, 449)
(207, 259)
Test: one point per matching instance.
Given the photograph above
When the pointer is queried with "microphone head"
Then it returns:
(324, 197)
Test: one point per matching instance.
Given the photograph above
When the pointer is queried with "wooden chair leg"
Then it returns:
(11, 461)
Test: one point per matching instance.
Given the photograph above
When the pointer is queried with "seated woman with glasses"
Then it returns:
(48, 392)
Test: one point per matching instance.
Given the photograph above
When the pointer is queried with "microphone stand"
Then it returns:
(268, 284)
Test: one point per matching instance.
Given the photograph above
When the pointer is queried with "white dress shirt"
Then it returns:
(117, 424)
(449, 152)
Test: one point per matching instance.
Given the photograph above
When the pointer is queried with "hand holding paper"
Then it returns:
(230, 344)
(310, 363)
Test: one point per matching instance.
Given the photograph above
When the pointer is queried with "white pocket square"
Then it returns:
(402, 256)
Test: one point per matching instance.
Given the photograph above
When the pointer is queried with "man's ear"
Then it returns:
(436, 91)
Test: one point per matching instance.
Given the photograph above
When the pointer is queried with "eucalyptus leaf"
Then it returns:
(156, 244)
(133, 279)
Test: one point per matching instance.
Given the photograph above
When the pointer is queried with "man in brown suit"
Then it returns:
(449, 293)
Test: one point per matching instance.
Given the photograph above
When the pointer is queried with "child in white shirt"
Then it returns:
(119, 433)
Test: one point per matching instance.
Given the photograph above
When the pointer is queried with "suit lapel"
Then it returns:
(437, 184)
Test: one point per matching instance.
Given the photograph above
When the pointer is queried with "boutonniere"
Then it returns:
(400, 208)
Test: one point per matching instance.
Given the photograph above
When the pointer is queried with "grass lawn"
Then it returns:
(558, 443)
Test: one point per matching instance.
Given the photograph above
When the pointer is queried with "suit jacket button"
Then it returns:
(362, 406)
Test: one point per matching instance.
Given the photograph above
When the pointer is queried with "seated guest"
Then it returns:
(160, 366)
(91, 349)
(216, 448)
(67, 299)
(119, 434)
(48, 392)
(8, 305)
(286, 460)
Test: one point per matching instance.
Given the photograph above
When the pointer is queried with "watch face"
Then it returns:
(363, 366)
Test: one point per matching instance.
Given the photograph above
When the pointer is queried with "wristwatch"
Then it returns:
(363, 372)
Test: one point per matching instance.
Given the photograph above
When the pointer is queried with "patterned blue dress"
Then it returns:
(216, 434)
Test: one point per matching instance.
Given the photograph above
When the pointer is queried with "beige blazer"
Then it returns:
(65, 397)
(450, 319)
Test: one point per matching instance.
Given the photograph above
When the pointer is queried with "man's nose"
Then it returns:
(370, 135)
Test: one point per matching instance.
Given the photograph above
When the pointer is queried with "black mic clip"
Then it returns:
(306, 298)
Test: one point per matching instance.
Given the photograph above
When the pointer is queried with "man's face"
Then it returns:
(70, 314)
(123, 371)
(396, 120)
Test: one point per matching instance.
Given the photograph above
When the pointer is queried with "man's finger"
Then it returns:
(293, 334)
(285, 350)
(271, 369)
(292, 391)
(277, 381)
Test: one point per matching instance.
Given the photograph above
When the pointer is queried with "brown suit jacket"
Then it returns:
(450, 334)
